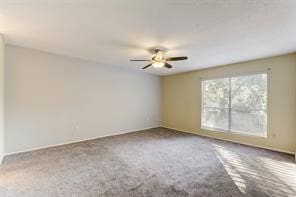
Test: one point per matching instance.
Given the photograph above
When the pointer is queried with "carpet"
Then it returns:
(156, 162)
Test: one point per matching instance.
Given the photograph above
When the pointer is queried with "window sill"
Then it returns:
(233, 132)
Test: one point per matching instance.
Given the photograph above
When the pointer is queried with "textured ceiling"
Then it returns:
(111, 32)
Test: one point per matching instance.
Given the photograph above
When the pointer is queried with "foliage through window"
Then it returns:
(237, 104)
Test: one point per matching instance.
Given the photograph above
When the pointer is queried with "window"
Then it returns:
(236, 104)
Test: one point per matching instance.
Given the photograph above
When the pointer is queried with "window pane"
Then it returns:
(215, 118)
(248, 104)
(216, 103)
(249, 92)
(216, 93)
(252, 122)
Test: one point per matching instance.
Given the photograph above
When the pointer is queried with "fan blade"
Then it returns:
(176, 58)
(147, 66)
(139, 60)
(168, 65)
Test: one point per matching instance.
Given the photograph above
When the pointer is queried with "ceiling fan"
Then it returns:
(159, 60)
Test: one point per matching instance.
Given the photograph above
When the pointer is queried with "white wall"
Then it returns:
(52, 99)
(2, 48)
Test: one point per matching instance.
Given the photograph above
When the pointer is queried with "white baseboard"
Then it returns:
(235, 141)
(75, 141)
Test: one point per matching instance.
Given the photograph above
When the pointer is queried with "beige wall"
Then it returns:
(52, 99)
(181, 101)
(2, 48)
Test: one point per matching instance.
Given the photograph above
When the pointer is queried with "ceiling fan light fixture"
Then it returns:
(159, 61)
(158, 64)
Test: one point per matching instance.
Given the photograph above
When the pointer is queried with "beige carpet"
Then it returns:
(157, 162)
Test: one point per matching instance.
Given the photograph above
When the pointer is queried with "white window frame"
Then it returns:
(229, 130)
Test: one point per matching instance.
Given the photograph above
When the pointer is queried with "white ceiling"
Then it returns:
(111, 32)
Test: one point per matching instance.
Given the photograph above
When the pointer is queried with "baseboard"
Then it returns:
(76, 141)
(234, 141)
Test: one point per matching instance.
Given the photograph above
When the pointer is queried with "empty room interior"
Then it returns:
(147, 98)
